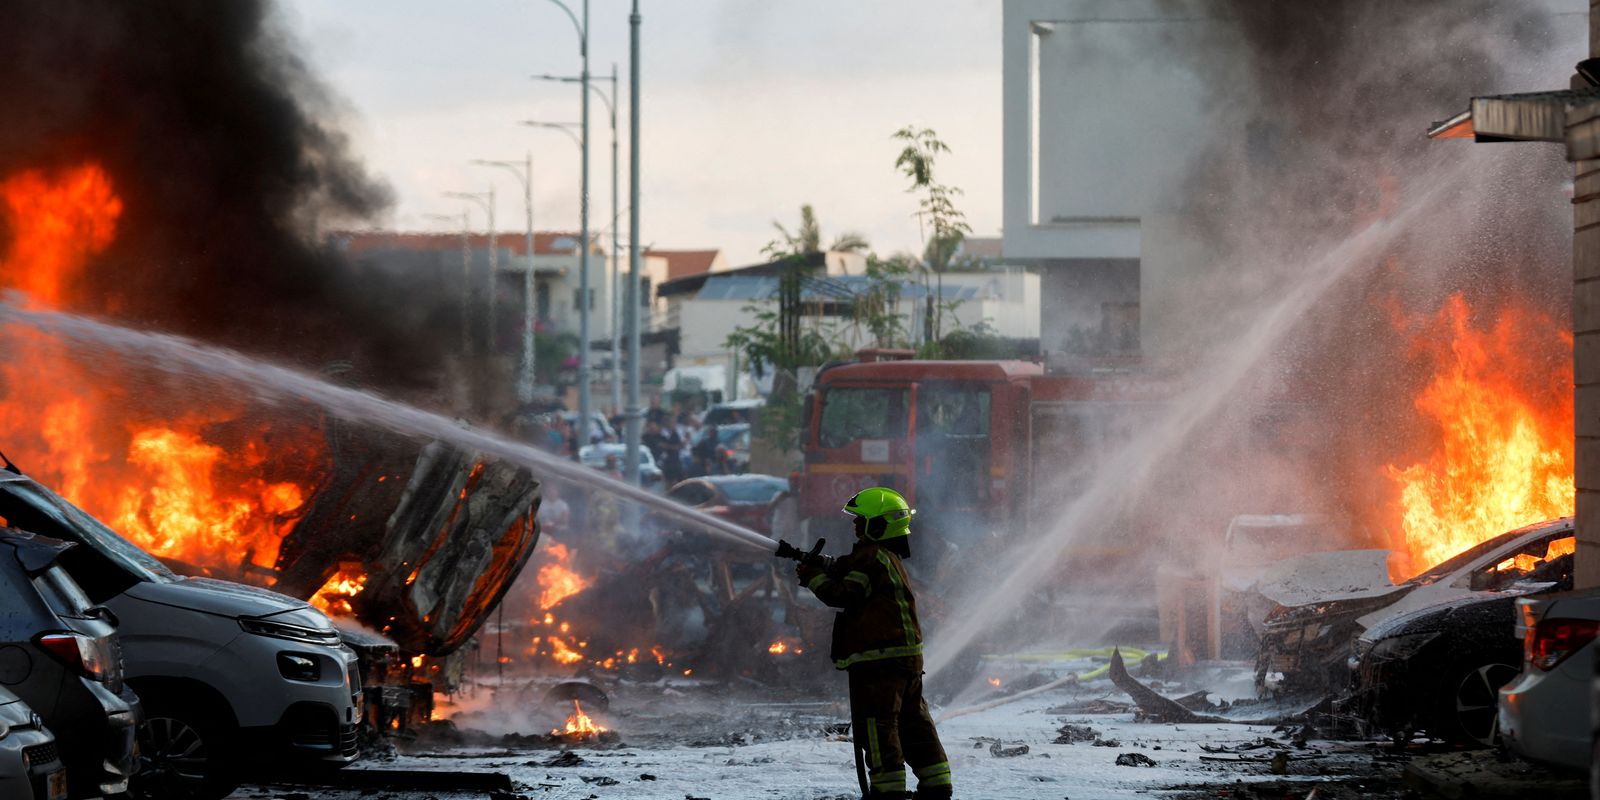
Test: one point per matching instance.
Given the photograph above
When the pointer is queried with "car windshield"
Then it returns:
(1457, 562)
(24, 502)
(753, 490)
(731, 433)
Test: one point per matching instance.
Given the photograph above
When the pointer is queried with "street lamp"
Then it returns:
(466, 271)
(631, 456)
(525, 370)
(616, 215)
(583, 208)
(485, 200)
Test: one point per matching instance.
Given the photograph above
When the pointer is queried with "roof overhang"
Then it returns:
(1528, 117)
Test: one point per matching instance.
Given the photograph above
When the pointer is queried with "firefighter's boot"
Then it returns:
(945, 792)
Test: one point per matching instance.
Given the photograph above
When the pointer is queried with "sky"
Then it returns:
(749, 109)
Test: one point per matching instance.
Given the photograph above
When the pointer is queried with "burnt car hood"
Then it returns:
(1356, 576)
(223, 598)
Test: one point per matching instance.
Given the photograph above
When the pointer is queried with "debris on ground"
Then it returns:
(1134, 760)
(998, 751)
(566, 759)
(1472, 774)
(1073, 734)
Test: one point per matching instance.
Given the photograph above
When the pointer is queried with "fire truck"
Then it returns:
(980, 448)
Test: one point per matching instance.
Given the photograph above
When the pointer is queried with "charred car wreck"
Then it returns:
(1380, 640)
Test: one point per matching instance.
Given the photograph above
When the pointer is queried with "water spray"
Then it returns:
(272, 384)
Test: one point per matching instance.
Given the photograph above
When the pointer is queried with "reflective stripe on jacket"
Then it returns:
(878, 615)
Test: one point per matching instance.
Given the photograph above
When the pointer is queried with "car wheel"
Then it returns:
(185, 755)
(1468, 714)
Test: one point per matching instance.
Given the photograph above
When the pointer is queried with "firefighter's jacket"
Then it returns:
(878, 616)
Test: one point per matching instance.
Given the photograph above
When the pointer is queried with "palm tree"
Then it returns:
(808, 237)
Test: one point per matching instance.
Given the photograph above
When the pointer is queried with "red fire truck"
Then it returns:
(980, 448)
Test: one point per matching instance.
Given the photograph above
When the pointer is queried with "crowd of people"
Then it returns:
(680, 444)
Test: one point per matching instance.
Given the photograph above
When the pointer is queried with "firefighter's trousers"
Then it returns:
(891, 725)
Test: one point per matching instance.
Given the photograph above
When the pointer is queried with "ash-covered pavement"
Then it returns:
(687, 741)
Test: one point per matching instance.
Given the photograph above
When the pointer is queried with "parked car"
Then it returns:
(58, 652)
(1307, 641)
(1545, 712)
(594, 455)
(1438, 669)
(732, 450)
(231, 676)
(598, 424)
(746, 500)
(734, 412)
(30, 762)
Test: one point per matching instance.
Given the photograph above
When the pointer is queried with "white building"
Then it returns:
(1100, 112)
(707, 308)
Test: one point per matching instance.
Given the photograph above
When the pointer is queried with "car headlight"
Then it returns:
(294, 633)
(1400, 648)
(303, 667)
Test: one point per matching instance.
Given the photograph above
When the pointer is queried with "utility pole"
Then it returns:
(616, 222)
(584, 403)
(616, 256)
(530, 317)
(634, 411)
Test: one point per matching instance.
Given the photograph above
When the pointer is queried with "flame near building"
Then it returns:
(1502, 455)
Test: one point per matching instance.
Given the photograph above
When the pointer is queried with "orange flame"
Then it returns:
(1504, 453)
(557, 581)
(579, 724)
(201, 487)
(335, 595)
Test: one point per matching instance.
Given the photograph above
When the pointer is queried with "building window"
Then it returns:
(644, 292)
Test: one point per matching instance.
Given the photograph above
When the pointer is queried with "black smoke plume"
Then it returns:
(217, 138)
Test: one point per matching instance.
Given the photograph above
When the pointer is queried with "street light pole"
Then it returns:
(616, 223)
(584, 401)
(634, 412)
(616, 258)
(525, 369)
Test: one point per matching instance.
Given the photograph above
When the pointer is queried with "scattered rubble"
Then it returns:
(1073, 734)
(998, 751)
(1134, 760)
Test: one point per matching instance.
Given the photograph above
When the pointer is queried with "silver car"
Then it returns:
(1544, 712)
(233, 678)
(30, 766)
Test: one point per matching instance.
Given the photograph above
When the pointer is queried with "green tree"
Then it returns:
(945, 225)
(807, 238)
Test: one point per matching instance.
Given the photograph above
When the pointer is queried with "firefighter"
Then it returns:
(877, 640)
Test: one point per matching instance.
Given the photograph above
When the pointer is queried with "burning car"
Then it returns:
(1437, 669)
(1326, 600)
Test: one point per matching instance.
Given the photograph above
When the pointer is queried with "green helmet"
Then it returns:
(885, 504)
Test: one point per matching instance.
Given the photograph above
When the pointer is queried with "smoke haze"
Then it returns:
(217, 141)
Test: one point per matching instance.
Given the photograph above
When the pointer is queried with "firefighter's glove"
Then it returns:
(806, 572)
